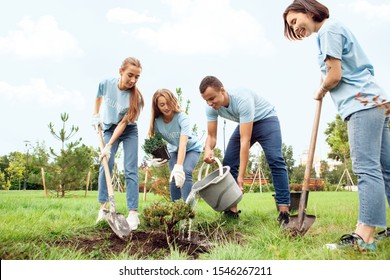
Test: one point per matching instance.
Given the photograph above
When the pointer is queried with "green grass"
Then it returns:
(29, 223)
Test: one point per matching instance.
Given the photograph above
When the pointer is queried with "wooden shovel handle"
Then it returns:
(312, 147)
(105, 163)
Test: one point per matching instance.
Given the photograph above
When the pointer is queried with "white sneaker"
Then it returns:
(133, 220)
(101, 215)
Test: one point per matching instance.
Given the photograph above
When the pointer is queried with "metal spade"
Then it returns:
(117, 221)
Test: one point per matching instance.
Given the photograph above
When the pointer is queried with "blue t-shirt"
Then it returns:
(115, 103)
(335, 40)
(171, 132)
(245, 106)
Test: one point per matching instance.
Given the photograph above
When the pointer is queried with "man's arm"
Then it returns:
(211, 141)
(245, 138)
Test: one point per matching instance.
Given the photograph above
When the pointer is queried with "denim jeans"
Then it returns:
(267, 133)
(369, 139)
(129, 138)
(189, 164)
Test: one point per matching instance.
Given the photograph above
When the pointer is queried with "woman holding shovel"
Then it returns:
(122, 103)
(174, 125)
(348, 75)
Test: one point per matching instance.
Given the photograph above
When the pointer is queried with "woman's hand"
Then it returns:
(158, 162)
(105, 153)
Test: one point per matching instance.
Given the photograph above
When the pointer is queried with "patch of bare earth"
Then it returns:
(104, 244)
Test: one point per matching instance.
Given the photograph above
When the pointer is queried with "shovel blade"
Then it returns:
(118, 224)
(294, 226)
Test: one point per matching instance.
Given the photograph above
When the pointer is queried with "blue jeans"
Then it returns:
(129, 138)
(189, 164)
(369, 139)
(267, 133)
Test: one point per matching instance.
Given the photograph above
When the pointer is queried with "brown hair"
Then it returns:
(210, 81)
(316, 10)
(171, 101)
(136, 98)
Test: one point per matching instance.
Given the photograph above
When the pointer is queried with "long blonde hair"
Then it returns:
(136, 98)
(171, 101)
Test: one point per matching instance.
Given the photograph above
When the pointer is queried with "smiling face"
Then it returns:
(215, 98)
(129, 77)
(164, 107)
(302, 24)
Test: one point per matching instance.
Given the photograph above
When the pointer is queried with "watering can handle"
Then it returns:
(203, 164)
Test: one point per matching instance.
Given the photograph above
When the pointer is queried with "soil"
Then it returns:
(104, 243)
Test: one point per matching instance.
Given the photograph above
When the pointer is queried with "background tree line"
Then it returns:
(67, 169)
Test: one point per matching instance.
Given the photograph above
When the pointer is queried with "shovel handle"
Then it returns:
(105, 163)
(309, 165)
(312, 147)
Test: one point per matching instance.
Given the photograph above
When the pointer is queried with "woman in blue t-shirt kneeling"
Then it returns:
(168, 119)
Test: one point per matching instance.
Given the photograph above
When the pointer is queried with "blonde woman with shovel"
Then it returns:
(122, 103)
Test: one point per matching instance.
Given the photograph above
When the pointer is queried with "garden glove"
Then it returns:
(158, 162)
(178, 174)
(96, 121)
(105, 153)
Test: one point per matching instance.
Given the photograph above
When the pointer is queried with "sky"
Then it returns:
(53, 54)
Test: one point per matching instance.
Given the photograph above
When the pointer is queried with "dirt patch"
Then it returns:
(104, 244)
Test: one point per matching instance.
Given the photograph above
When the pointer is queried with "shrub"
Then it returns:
(153, 143)
(166, 215)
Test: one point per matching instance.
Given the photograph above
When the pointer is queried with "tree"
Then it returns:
(337, 139)
(288, 156)
(324, 170)
(4, 183)
(72, 167)
(338, 142)
(16, 168)
(73, 162)
(298, 174)
(62, 135)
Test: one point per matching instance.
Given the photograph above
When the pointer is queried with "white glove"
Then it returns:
(96, 121)
(105, 153)
(158, 162)
(179, 175)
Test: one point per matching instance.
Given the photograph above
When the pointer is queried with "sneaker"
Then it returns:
(101, 215)
(352, 240)
(133, 220)
(231, 215)
(365, 247)
(283, 219)
(383, 234)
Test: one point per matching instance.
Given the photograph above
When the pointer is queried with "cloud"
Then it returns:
(371, 11)
(40, 39)
(207, 27)
(37, 92)
(127, 16)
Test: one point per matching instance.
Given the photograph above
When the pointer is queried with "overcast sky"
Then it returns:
(54, 53)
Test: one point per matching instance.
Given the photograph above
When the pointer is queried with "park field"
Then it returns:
(35, 227)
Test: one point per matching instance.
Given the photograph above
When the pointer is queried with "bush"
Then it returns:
(153, 143)
(166, 215)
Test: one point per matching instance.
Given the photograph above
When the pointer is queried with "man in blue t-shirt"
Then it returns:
(257, 122)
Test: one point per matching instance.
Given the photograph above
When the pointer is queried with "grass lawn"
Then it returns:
(30, 226)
